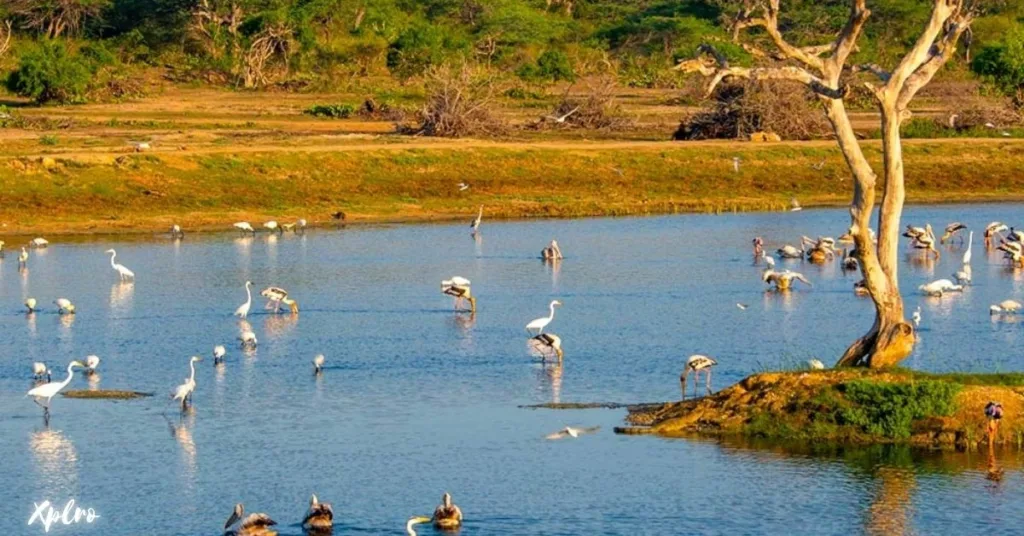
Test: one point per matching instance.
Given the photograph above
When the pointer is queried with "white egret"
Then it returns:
(176, 232)
(540, 323)
(30, 304)
(549, 342)
(695, 364)
(39, 371)
(64, 306)
(49, 390)
(769, 261)
(39, 243)
(318, 363)
(319, 517)
(939, 287)
(413, 521)
(916, 316)
(218, 354)
(243, 310)
(459, 288)
(123, 272)
(252, 525)
(91, 362)
(447, 516)
(1005, 306)
(184, 391)
(23, 257)
(475, 224)
(952, 230)
(569, 431)
(244, 227)
(248, 339)
(276, 296)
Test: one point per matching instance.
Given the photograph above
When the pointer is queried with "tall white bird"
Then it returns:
(695, 364)
(30, 304)
(64, 306)
(49, 390)
(540, 323)
(1005, 306)
(123, 272)
(318, 363)
(184, 391)
(917, 316)
(963, 276)
(244, 227)
(243, 310)
(91, 362)
(23, 257)
(475, 224)
(218, 354)
(967, 254)
(769, 261)
(39, 371)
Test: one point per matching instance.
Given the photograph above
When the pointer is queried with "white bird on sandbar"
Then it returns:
(64, 306)
(243, 310)
(475, 224)
(49, 390)
(318, 363)
(939, 287)
(540, 323)
(1005, 306)
(218, 354)
(123, 272)
(39, 371)
(694, 365)
(244, 227)
(184, 391)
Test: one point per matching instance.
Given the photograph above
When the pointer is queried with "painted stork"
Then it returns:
(460, 289)
(548, 343)
(992, 230)
(953, 230)
(276, 296)
(695, 364)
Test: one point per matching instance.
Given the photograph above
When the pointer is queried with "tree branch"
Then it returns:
(770, 22)
(846, 41)
(941, 53)
(942, 10)
(874, 69)
(720, 70)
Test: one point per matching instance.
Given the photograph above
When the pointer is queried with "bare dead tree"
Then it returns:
(208, 23)
(458, 103)
(891, 338)
(275, 40)
(6, 40)
(54, 18)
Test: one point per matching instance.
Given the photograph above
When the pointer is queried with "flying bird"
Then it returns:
(563, 117)
(463, 187)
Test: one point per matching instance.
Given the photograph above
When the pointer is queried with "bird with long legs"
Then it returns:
(992, 231)
(953, 231)
(964, 275)
(255, 524)
(926, 241)
(540, 323)
(243, 310)
(276, 296)
(694, 365)
(548, 343)
(475, 224)
(183, 392)
(319, 518)
(273, 227)
(459, 288)
(49, 390)
(122, 272)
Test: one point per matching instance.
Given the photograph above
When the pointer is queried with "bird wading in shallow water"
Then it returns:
(183, 392)
(124, 273)
(540, 323)
(548, 343)
(694, 365)
(243, 310)
(49, 390)
(459, 288)
(318, 367)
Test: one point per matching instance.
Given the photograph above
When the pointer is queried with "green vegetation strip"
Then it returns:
(109, 394)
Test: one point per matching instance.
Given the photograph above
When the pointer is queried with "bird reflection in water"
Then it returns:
(94, 381)
(549, 377)
(276, 326)
(121, 293)
(181, 432)
(889, 512)
(478, 243)
(67, 321)
(922, 264)
(56, 460)
(464, 323)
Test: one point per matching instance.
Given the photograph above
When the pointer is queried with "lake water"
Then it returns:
(417, 400)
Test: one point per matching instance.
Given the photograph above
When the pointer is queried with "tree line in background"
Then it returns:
(78, 50)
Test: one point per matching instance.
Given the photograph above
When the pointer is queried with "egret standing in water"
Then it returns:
(963, 276)
(695, 364)
(540, 323)
(218, 354)
(318, 367)
(23, 258)
(184, 391)
(475, 224)
(252, 525)
(123, 272)
(49, 390)
(319, 517)
(243, 310)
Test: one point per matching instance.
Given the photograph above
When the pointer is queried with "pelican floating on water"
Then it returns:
(39, 371)
(49, 390)
(122, 272)
(243, 310)
(782, 280)
(184, 391)
(319, 517)
(939, 287)
(540, 323)
(318, 367)
(244, 227)
(460, 289)
(255, 524)
(569, 431)
(218, 354)
(953, 230)
(447, 516)
(64, 306)
(695, 364)
(549, 342)
(552, 252)
(1005, 307)
(276, 296)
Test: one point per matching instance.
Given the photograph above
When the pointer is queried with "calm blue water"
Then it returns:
(417, 400)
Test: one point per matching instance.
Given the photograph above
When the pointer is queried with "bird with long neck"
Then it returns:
(122, 272)
(49, 390)
(243, 310)
(413, 521)
(184, 391)
(540, 323)
(475, 225)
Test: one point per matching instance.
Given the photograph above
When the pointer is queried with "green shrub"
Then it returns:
(1003, 62)
(888, 409)
(553, 65)
(334, 111)
(49, 139)
(50, 72)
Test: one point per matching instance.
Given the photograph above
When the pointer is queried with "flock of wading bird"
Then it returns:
(320, 516)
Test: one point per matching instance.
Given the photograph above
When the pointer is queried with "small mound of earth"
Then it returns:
(106, 394)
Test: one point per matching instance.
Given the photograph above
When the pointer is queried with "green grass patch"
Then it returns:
(333, 111)
(888, 409)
